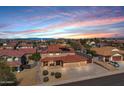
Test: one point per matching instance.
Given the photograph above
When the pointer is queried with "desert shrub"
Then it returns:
(45, 72)
(58, 75)
(45, 79)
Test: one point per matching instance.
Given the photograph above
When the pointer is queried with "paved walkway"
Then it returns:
(38, 73)
(106, 66)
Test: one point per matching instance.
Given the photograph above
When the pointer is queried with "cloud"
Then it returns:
(4, 26)
(63, 25)
(66, 21)
(94, 35)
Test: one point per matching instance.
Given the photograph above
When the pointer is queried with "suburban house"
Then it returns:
(12, 57)
(118, 41)
(10, 45)
(27, 53)
(102, 44)
(59, 55)
(57, 50)
(15, 58)
(108, 53)
(64, 61)
(24, 46)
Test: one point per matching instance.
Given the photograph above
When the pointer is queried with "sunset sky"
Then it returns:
(61, 22)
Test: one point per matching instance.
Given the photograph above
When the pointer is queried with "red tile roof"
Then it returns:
(65, 59)
(106, 51)
(16, 53)
(28, 50)
(9, 52)
(12, 44)
(57, 48)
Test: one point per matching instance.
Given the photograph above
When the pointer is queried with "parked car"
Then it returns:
(115, 64)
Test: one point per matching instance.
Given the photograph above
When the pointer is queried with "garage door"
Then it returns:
(75, 64)
(116, 58)
(71, 64)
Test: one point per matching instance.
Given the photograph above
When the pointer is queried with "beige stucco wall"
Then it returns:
(56, 54)
(75, 64)
(70, 64)
(9, 59)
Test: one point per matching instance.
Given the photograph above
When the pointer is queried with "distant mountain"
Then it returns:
(117, 38)
(29, 39)
(34, 38)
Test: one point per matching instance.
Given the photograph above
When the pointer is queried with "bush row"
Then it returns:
(56, 74)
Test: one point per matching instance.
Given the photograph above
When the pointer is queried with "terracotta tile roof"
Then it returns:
(14, 64)
(9, 52)
(16, 53)
(28, 50)
(55, 48)
(106, 51)
(65, 59)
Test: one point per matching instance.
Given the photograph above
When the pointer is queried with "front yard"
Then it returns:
(35, 76)
(73, 73)
(27, 77)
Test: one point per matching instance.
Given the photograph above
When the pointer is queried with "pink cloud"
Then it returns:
(98, 22)
(94, 35)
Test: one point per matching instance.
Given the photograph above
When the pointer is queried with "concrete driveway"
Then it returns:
(121, 65)
(89, 71)
(76, 73)
(84, 71)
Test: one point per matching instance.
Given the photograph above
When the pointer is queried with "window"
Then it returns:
(52, 64)
(58, 62)
(45, 63)
(50, 54)
(57, 53)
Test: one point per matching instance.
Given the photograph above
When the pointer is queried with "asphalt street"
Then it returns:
(112, 80)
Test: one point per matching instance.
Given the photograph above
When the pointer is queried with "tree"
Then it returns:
(96, 40)
(1, 44)
(35, 56)
(93, 53)
(87, 46)
(34, 44)
(75, 45)
(6, 76)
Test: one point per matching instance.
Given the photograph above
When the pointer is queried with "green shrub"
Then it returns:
(58, 75)
(45, 72)
(35, 57)
(6, 75)
(45, 79)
